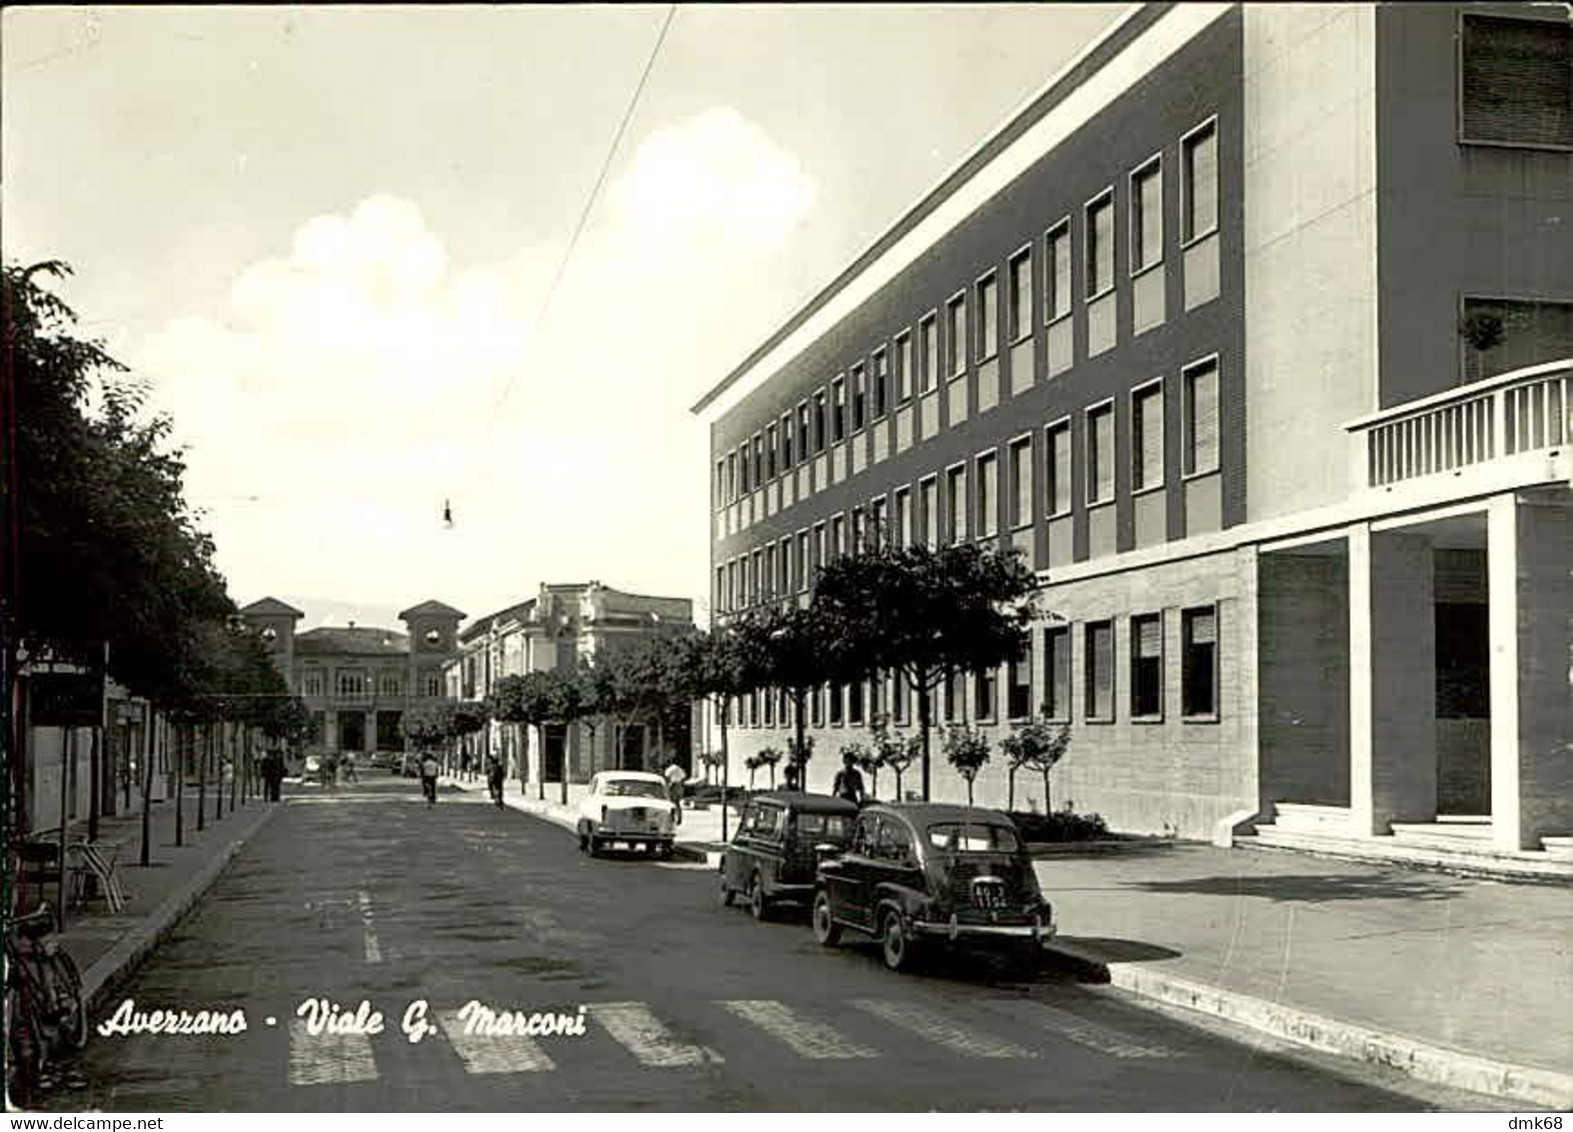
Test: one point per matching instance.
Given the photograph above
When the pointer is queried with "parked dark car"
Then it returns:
(920, 876)
(779, 840)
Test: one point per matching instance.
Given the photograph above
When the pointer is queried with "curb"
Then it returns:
(1423, 1061)
(119, 961)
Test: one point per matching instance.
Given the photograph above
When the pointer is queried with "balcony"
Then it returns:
(1506, 424)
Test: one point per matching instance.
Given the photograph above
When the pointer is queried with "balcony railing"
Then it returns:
(1526, 410)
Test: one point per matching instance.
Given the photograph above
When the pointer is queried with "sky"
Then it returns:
(338, 245)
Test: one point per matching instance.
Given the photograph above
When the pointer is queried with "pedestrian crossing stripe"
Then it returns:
(640, 1032)
(338, 1059)
(328, 1059)
(493, 1053)
(807, 1037)
(936, 1027)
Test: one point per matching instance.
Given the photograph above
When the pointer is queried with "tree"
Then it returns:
(893, 751)
(1038, 744)
(710, 759)
(919, 611)
(966, 750)
(796, 652)
(428, 727)
(718, 666)
(752, 763)
(769, 757)
(798, 756)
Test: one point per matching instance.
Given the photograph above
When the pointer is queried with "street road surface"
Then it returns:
(369, 894)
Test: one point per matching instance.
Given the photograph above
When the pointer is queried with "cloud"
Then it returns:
(359, 377)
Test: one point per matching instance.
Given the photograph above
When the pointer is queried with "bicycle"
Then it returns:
(45, 1013)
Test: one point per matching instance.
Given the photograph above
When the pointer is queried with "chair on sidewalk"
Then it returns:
(89, 868)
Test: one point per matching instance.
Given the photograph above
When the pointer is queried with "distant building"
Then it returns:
(357, 681)
(562, 626)
(1253, 331)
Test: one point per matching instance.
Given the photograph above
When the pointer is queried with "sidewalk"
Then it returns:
(106, 945)
(1462, 982)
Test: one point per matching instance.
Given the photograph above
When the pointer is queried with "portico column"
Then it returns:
(1530, 575)
(1392, 680)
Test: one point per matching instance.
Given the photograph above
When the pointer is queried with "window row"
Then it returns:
(355, 683)
(975, 697)
(989, 492)
(980, 318)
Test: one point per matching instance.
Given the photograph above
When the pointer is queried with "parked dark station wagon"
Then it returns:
(779, 840)
(921, 875)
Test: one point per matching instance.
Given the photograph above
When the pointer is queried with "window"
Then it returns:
(743, 462)
(858, 533)
(803, 572)
(1021, 482)
(313, 684)
(986, 686)
(838, 411)
(1147, 438)
(876, 696)
(988, 495)
(816, 707)
(956, 505)
(804, 431)
(1018, 683)
(1200, 447)
(1199, 208)
(767, 571)
(1499, 335)
(353, 683)
(1147, 666)
(956, 336)
(759, 459)
(1100, 454)
(1516, 84)
(786, 442)
(434, 685)
(1020, 295)
(756, 581)
(389, 684)
(880, 390)
(859, 398)
(1057, 672)
(1057, 273)
(1057, 465)
(770, 709)
(753, 709)
(835, 704)
(720, 483)
(1100, 245)
(955, 691)
(901, 533)
(928, 512)
(1147, 215)
(1199, 662)
(770, 452)
(903, 368)
(855, 703)
(731, 477)
(734, 600)
(719, 597)
(838, 537)
(898, 698)
(819, 558)
(928, 353)
(819, 421)
(1100, 671)
(878, 524)
(988, 317)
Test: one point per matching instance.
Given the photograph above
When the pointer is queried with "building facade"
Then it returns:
(358, 682)
(1252, 331)
(562, 627)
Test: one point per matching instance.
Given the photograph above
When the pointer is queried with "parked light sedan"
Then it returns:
(927, 875)
(626, 807)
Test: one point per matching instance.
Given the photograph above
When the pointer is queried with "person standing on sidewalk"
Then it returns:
(676, 776)
(429, 770)
(494, 778)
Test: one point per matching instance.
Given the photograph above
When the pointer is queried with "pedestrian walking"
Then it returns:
(494, 778)
(349, 767)
(272, 774)
(676, 776)
(429, 771)
(849, 781)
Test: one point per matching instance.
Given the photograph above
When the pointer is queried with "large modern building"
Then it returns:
(1253, 331)
(563, 626)
(360, 681)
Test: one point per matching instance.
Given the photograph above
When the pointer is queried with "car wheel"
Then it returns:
(664, 850)
(826, 930)
(758, 904)
(894, 944)
(727, 895)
